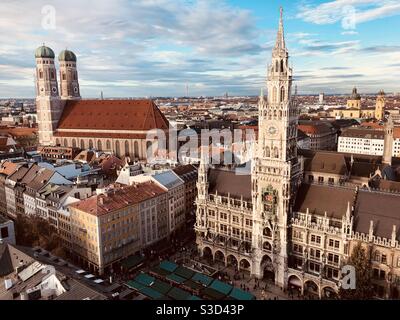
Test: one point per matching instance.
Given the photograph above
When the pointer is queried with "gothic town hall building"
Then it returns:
(297, 216)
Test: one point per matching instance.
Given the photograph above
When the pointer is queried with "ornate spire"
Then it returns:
(280, 39)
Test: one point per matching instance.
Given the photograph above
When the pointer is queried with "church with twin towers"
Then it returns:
(277, 223)
(119, 126)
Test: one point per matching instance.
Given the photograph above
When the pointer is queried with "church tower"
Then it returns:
(388, 142)
(380, 106)
(48, 102)
(69, 84)
(276, 171)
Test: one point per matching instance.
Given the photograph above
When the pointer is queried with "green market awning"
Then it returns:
(239, 294)
(178, 294)
(151, 293)
(144, 279)
(135, 285)
(222, 287)
(202, 278)
(193, 285)
(168, 266)
(212, 294)
(184, 272)
(157, 271)
(175, 278)
(161, 287)
(132, 262)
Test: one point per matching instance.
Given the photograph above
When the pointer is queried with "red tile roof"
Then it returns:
(119, 198)
(134, 115)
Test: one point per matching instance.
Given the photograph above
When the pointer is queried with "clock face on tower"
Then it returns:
(272, 130)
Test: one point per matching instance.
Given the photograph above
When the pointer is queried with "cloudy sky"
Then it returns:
(131, 48)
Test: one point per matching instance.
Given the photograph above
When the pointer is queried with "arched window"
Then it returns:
(73, 143)
(281, 65)
(282, 94)
(117, 148)
(149, 149)
(276, 66)
(99, 146)
(136, 149)
(82, 144)
(57, 142)
(90, 144)
(65, 143)
(267, 152)
(274, 94)
(276, 152)
(126, 147)
(108, 145)
(63, 76)
(40, 74)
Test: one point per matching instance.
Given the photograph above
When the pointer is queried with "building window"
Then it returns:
(331, 181)
(315, 239)
(223, 216)
(126, 148)
(310, 178)
(4, 232)
(314, 267)
(320, 179)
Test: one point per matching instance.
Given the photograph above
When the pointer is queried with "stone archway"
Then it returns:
(311, 289)
(207, 253)
(295, 285)
(268, 269)
(245, 265)
(231, 261)
(219, 256)
(329, 293)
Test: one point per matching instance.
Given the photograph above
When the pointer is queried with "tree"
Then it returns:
(360, 260)
(34, 231)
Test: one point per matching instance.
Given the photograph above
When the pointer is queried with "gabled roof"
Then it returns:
(322, 198)
(119, 198)
(168, 179)
(134, 115)
(7, 168)
(381, 208)
(228, 182)
(329, 162)
(11, 257)
(43, 176)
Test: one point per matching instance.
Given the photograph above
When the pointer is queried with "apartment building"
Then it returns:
(109, 227)
(367, 141)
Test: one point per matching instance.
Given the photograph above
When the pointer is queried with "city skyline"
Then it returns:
(158, 48)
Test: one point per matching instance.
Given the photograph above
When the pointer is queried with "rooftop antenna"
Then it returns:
(101, 95)
(187, 90)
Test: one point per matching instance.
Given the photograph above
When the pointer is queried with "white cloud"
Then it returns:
(341, 10)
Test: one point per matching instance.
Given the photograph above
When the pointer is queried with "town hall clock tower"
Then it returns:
(276, 170)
